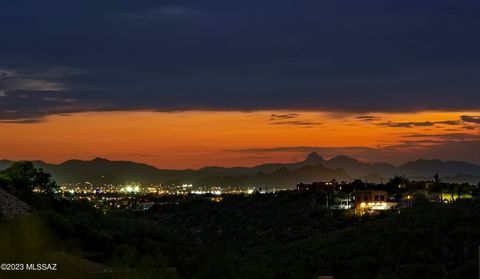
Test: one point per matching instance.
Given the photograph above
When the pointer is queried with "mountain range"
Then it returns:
(313, 168)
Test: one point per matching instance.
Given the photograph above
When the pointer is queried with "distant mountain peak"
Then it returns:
(343, 157)
(314, 158)
(282, 170)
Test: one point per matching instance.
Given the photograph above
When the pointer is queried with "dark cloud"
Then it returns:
(345, 55)
(275, 117)
(14, 80)
(303, 149)
(446, 137)
(59, 100)
(304, 123)
(471, 119)
(419, 124)
(368, 118)
(21, 121)
(292, 119)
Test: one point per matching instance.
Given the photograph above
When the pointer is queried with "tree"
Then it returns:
(43, 180)
(4, 181)
(22, 177)
(358, 184)
(437, 178)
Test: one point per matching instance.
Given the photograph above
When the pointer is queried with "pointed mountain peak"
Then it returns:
(282, 170)
(314, 158)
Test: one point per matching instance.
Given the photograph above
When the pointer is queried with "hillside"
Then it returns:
(10, 206)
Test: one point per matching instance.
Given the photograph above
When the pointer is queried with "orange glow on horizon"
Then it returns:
(193, 139)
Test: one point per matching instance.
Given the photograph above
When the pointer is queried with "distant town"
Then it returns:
(360, 196)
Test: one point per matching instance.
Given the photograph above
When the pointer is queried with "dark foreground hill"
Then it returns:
(431, 241)
(10, 206)
(277, 236)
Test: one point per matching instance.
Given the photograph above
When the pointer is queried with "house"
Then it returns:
(372, 200)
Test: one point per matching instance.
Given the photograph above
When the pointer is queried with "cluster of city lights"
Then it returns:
(130, 189)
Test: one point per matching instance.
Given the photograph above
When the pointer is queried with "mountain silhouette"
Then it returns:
(314, 159)
(313, 168)
(360, 169)
(419, 167)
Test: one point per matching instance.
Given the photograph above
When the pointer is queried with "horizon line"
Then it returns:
(236, 166)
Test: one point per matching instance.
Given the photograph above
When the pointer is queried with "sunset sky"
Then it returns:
(198, 138)
(186, 84)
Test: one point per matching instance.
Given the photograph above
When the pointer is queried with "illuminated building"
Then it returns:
(372, 200)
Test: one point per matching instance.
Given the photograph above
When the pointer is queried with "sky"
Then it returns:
(185, 84)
